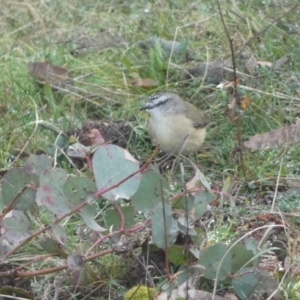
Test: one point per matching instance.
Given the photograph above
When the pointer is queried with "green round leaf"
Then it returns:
(244, 283)
(240, 256)
(36, 164)
(13, 181)
(163, 232)
(78, 190)
(50, 192)
(112, 217)
(15, 227)
(176, 255)
(152, 189)
(111, 164)
(202, 198)
(211, 259)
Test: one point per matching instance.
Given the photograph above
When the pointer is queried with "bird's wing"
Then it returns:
(199, 118)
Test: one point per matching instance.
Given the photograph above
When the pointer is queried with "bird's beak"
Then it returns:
(146, 106)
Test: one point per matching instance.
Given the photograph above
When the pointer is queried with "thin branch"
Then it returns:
(276, 187)
(266, 28)
(167, 266)
(13, 201)
(33, 133)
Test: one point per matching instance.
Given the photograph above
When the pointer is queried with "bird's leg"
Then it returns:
(196, 158)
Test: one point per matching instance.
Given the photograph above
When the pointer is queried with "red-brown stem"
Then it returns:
(33, 261)
(133, 229)
(89, 163)
(138, 227)
(49, 270)
(13, 201)
(166, 235)
(118, 209)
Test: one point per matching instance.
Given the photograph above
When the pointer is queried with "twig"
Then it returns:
(235, 94)
(13, 201)
(121, 215)
(276, 187)
(166, 233)
(33, 133)
(266, 28)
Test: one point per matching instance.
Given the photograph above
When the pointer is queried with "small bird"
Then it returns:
(178, 126)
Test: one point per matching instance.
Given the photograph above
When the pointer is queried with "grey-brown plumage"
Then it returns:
(178, 126)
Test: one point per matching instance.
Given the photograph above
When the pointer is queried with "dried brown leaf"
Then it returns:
(266, 64)
(96, 137)
(275, 138)
(47, 73)
(281, 62)
(194, 182)
(244, 102)
(250, 65)
(147, 82)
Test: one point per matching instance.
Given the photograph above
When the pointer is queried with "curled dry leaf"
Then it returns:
(244, 102)
(145, 83)
(275, 138)
(250, 65)
(96, 137)
(281, 63)
(47, 73)
(3, 108)
(261, 63)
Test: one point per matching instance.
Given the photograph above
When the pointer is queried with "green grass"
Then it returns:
(40, 30)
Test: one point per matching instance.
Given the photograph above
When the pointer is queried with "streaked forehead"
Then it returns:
(153, 97)
(159, 96)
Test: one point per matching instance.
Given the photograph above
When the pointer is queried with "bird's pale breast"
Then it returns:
(175, 132)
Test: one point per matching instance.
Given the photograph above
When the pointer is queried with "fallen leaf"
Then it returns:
(281, 62)
(231, 105)
(267, 64)
(250, 65)
(96, 137)
(213, 72)
(275, 138)
(147, 82)
(244, 102)
(3, 108)
(48, 73)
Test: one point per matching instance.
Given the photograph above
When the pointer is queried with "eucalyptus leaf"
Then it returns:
(151, 191)
(202, 199)
(15, 227)
(36, 164)
(162, 225)
(112, 164)
(240, 257)
(50, 192)
(13, 182)
(211, 259)
(112, 217)
(244, 283)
